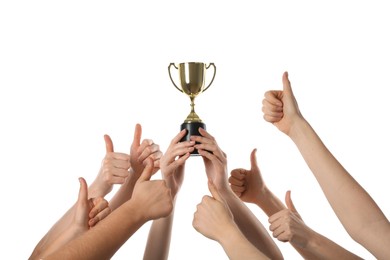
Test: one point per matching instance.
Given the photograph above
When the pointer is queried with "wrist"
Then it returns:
(136, 211)
(263, 194)
(94, 192)
(231, 236)
(298, 128)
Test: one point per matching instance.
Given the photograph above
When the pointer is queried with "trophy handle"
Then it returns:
(215, 70)
(169, 72)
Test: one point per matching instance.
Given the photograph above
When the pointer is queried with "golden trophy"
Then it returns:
(192, 76)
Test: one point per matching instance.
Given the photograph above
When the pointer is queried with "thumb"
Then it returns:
(289, 203)
(83, 192)
(147, 172)
(286, 83)
(137, 136)
(109, 144)
(254, 160)
(214, 191)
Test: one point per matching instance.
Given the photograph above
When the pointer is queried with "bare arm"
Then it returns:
(139, 153)
(216, 169)
(286, 223)
(214, 220)
(85, 214)
(151, 200)
(364, 221)
(172, 165)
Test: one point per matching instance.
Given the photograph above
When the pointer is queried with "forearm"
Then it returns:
(124, 193)
(352, 204)
(65, 237)
(105, 239)
(237, 247)
(320, 247)
(55, 231)
(250, 226)
(159, 239)
(269, 203)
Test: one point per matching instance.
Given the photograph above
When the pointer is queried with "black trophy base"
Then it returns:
(192, 129)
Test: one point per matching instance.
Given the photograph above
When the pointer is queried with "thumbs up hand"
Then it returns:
(152, 197)
(249, 184)
(213, 217)
(288, 226)
(114, 170)
(140, 152)
(88, 212)
(280, 106)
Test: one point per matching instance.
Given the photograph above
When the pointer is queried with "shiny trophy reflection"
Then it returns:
(192, 77)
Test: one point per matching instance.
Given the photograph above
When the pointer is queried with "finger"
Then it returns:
(181, 150)
(283, 237)
(121, 164)
(147, 172)
(272, 109)
(237, 189)
(278, 231)
(277, 223)
(254, 165)
(237, 182)
(179, 136)
(272, 97)
(147, 149)
(99, 205)
(204, 133)
(271, 119)
(102, 214)
(214, 191)
(209, 156)
(286, 83)
(83, 192)
(267, 105)
(169, 169)
(289, 203)
(238, 174)
(275, 216)
(137, 136)
(109, 144)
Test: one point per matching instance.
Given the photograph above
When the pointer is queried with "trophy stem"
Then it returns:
(192, 105)
(192, 117)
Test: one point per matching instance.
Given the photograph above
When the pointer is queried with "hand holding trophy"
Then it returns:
(192, 77)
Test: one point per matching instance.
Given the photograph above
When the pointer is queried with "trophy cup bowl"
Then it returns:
(192, 77)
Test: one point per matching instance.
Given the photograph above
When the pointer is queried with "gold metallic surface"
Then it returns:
(192, 82)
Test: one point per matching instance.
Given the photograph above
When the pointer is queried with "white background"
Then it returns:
(72, 71)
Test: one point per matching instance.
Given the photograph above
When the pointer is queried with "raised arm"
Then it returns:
(85, 214)
(172, 165)
(150, 200)
(364, 221)
(285, 222)
(114, 170)
(214, 220)
(216, 170)
(139, 153)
